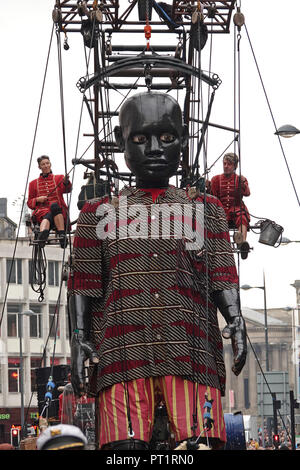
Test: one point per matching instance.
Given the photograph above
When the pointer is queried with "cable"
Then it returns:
(28, 173)
(48, 395)
(265, 379)
(272, 116)
(38, 270)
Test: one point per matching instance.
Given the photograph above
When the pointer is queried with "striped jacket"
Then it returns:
(152, 314)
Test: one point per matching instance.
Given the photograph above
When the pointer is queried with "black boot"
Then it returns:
(62, 238)
(245, 248)
(43, 237)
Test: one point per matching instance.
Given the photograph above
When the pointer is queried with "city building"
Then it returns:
(242, 391)
(45, 332)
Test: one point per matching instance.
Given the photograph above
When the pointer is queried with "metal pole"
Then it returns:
(262, 409)
(292, 409)
(297, 351)
(21, 374)
(275, 414)
(266, 326)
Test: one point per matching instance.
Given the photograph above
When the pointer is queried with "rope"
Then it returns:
(265, 379)
(195, 168)
(38, 270)
(28, 173)
(38, 253)
(105, 138)
(237, 81)
(105, 99)
(272, 115)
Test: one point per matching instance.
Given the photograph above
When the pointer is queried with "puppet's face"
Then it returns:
(153, 136)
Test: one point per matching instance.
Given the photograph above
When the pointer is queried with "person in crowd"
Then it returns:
(61, 437)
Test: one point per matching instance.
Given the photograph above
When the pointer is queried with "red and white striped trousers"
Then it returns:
(143, 395)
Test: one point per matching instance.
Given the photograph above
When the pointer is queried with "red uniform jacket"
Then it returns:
(230, 192)
(51, 186)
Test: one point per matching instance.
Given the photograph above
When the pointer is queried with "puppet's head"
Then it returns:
(152, 136)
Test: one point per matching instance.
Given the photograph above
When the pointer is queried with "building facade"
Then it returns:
(45, 332)
(242, 391)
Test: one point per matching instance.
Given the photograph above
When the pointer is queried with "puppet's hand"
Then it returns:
(236, 330)
(81, 350)
(228, 303)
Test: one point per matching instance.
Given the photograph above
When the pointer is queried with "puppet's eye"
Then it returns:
(139, 138)
(167, 138)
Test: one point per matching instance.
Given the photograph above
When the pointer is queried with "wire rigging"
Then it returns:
(38, 275)
(38, 268)
(272, 115)
(28, 173)
(266, 381)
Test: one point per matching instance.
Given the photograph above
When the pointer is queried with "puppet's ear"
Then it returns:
(119, 138)
(185, 136)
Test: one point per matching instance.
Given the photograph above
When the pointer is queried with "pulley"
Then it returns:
(197, 14)
(212, 10)
(83, 9)
(148, 76)
(179, 50)
(108, 47)
(239, 19)
(66, 44)
(97, 15)
(56, 15)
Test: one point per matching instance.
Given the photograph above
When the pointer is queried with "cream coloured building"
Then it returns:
(45, 342)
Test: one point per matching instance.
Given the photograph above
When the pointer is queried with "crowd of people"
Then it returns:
(284, 441)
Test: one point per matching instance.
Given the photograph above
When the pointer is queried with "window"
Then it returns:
(36, 322)
(35, 363)
(14, 271)
(53, 321)
(12, 320)
(13, 374)
(53, 273)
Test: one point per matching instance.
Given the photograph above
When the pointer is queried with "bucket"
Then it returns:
(270, 232)
(235, 431)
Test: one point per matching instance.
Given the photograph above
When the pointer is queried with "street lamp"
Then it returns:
(286, 241)
(247, 287)
(287, 131)
(28, 313)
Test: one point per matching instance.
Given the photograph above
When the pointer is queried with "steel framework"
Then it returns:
(172, 64)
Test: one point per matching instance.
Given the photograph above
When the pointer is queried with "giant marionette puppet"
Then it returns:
(143, 305)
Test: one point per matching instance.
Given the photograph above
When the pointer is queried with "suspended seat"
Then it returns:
(33, 228)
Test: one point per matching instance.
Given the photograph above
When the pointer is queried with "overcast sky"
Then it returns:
(25, 29)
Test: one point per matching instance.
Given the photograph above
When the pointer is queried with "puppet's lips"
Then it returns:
(155, 162)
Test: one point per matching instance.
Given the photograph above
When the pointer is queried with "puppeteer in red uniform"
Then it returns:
(230, 189)
(45, 198)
